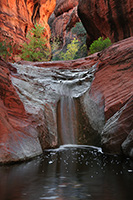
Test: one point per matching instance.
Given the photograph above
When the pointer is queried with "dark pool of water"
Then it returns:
(69, 173)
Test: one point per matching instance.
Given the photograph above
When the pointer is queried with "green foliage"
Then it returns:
(76, 49)
(72, 49)
(55, 43)
(36, 49)
(5, 49)
(99, 45)
(79, 31)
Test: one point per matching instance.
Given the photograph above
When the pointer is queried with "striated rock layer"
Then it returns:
(29, 122)
(112, 88)
(18, 138)
(17, 17)
(107, 18)
(63, 19)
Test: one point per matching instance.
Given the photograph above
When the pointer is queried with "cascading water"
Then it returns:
(79, 172)
(68, 120)
(53, 92)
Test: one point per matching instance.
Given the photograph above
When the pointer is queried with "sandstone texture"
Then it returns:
(31, 95)
(18, 138)
(112, 88)
(18, 17)
(63, 20)
(107, 18)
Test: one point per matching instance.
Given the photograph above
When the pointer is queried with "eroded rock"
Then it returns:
(18, 138)
(29, 121)
(116, 132)
(18, 17)
(64, 18)
(107, 18)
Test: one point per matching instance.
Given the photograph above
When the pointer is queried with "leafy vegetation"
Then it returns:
(72, 49)
(99, 45)
(75, 49)
(79, 31)
(55, 43)
(36, 49)
(6, 49)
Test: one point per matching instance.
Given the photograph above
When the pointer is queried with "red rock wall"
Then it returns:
(115, 69)
(107, 18)
(18, 138)
(112, 88)
(63, 19)
(17, 17)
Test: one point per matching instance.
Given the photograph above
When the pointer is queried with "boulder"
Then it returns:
(117, 133)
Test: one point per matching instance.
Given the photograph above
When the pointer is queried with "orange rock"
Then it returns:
(18, 17)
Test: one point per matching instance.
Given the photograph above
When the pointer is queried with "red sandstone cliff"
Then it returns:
(63, 19)
(17, 17)
(113, 83)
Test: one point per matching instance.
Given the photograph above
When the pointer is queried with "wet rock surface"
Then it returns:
(18, 138)
(32, 93)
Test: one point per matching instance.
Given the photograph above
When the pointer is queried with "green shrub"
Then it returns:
(36, 49)
(55, 43)
(99, 45)
(5, 49)
(72, 49)
(76, 49)
(79, 31)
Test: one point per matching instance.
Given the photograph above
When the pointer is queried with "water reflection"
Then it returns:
(70, 172)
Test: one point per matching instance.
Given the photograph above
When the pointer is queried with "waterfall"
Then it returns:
(51, 94)
(72, 85)
(68, 121)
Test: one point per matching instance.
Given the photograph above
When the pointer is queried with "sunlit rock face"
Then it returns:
(18, 17)
(63, 19)
(107, 18)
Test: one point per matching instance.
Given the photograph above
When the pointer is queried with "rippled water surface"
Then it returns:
(69, 173)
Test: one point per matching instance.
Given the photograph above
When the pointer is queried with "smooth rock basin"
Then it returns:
(70, 172)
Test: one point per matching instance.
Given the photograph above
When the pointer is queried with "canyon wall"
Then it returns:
(63, 20)
(18, 17)
(107, 18)
(18, 138)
